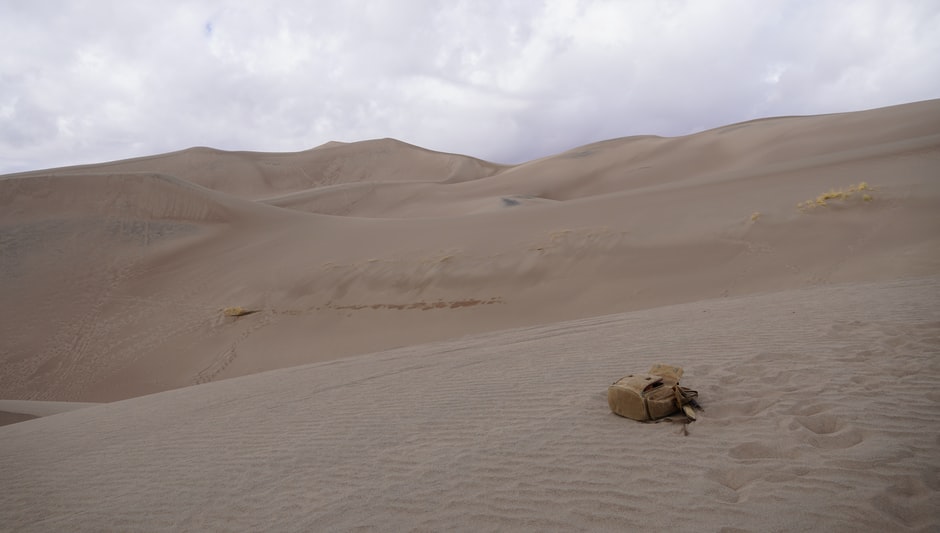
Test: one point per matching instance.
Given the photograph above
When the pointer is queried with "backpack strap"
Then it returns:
(685, 400)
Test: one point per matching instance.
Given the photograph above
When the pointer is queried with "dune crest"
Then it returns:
(256, 175)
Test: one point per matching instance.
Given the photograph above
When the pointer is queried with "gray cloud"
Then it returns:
(505, 81)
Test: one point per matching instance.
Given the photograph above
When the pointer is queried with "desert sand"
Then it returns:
(431, 336)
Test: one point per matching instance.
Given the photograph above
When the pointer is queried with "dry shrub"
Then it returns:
(841, 194)
(237, 311)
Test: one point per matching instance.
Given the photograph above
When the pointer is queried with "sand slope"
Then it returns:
(119, 279)
(13, 411)
(82, 258)
(820, 408)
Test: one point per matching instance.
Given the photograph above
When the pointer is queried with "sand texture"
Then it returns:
(376, 336)
(821, 409)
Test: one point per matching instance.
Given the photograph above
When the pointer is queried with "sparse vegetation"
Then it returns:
(237, 311)
(842, 194)
(754, 216)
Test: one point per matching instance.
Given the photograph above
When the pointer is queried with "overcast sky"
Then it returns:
(97, 80)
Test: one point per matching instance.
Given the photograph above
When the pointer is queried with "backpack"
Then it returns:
(652, 396)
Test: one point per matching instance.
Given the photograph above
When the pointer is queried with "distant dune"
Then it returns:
(255, 175)
(440, 331)
(122, 269)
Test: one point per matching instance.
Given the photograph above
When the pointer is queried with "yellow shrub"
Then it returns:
(833, 194)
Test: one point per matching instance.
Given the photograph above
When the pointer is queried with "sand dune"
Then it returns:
(257, 175)
(121, 278)
(640, 165)
(83, 255)
(373, 335)
(425, 339)
(819, 404)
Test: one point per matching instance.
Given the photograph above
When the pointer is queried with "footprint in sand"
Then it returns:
(732, 482)
(761, 450)
(907, 501)
(827, 431)
(809, 409)
(821, 424)
(842, 327)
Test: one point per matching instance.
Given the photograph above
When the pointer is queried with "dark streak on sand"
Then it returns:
(421, 306)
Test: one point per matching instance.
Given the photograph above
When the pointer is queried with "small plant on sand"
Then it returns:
(237, 311)
(842, 194)
(754, 216)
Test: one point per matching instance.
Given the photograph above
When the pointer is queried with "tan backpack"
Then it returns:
(653, 395)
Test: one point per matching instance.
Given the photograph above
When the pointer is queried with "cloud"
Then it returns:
(505, 81)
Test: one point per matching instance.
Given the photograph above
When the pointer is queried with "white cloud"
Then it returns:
(506, 81)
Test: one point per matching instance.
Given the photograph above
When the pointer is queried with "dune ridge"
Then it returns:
(255, 175)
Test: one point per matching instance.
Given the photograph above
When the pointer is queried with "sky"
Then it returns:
(85, 81)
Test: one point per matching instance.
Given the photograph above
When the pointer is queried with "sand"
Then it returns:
(41, 408)
(13, 411)
(820, 412)
(432, 335)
